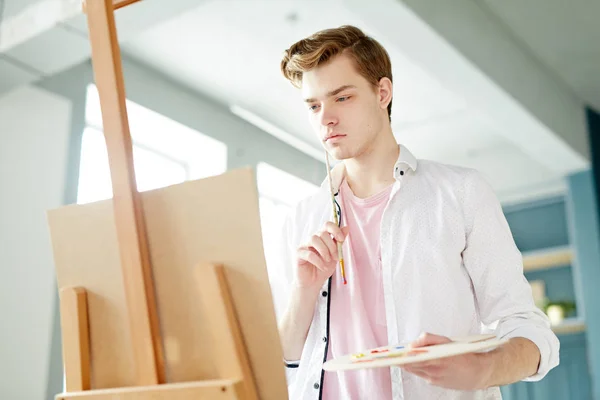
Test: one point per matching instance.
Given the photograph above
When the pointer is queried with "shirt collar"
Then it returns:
(405, 159)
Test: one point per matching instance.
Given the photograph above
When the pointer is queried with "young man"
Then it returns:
(426, 248)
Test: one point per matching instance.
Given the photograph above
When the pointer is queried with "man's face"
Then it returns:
(344, 108)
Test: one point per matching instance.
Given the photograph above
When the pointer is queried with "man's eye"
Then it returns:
(344, 98)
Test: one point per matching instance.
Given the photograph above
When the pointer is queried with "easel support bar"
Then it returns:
(122, 3)
(75, 338)
(231, 355)
(207, 390)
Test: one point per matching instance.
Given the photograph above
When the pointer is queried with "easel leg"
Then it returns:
(75, 338)
(230, 356)
(129, 219)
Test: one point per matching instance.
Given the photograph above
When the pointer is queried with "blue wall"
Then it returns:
(569, 381)
(539, 225)
(573, 220)
(559, 284)
(583, 211)
(536, 226)
(593, 121)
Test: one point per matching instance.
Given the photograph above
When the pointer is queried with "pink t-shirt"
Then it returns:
(357, 310)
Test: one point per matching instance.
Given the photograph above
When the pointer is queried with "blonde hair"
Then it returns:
(370, 57)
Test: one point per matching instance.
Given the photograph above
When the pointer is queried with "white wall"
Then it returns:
(34, 133)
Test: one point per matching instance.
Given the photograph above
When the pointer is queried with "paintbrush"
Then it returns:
(335, 217)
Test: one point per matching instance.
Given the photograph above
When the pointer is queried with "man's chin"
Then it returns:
(340, 154)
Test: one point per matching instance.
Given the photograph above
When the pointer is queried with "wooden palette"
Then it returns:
(388, 356)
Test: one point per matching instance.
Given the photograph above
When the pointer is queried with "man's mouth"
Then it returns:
(333, 137)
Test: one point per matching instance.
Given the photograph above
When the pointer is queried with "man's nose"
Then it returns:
(328, 118)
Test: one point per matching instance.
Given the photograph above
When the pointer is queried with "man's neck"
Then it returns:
(372, 171)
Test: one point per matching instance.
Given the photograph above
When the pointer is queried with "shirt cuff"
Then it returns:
(548, 345)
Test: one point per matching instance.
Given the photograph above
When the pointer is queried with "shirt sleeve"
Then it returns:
(495, 266)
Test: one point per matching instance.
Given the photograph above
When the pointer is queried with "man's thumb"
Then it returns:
(345, 230)
(428, 339)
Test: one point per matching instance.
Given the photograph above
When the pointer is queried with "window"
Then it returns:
(279, 192)
(165, 152)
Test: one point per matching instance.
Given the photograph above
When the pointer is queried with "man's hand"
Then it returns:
(509, 363)
(316, 261)
(470, 371)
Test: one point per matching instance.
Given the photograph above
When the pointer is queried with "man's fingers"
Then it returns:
(431, 372)
(337, 232)
(312, 257)
(418, 372)
(331, 246)
(429, 368)
(428, 364)
(322, 249)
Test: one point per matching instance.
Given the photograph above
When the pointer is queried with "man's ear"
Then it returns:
(386, 90)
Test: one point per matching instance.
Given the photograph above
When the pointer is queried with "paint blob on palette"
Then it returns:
(399, 354)
(392, 352)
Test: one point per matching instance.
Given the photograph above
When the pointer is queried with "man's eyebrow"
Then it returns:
(332, 93)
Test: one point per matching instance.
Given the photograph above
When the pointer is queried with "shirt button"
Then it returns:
(324, 294)
(316, 386)
(324, 339)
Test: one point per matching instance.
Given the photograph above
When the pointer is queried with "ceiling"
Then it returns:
(433, 121)
(230, 50)
(240, 64)
(564, 35)
(14, 7)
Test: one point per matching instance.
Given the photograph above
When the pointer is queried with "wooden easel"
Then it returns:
(236, 379)
(237, 383)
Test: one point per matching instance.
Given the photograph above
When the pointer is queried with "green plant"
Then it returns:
(568, 307)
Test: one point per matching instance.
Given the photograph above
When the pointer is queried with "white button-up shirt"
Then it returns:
(450, 267)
